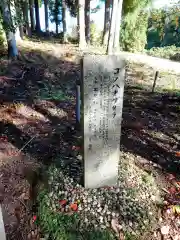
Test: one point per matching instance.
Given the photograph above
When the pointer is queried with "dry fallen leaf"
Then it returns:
(121, 236)
(171, 177)
(176, 209)
(17, 213)
(116, 226)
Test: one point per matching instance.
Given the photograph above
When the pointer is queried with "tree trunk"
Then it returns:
(21, 32)
(118, 26)
(112, 28)
(26, 18)
(31, 10)
(15, 11)
(8, 27)
(82, 40)
(57, 28)
(107, 20)
(56, 16)
(38, 26)
(78, 25)
(46, 15)
(18, 35)
(64, 21)
(87, 21)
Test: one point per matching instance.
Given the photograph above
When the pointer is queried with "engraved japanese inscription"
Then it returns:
(103, 88)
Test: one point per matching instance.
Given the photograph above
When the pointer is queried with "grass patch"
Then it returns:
(168, 52)
(58, 226)
(134, 204)
(45, 94)
(174, 92)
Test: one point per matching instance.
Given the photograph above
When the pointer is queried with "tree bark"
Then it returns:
(8, 27)
(26, 18)
(107, 20)
(38, 26)
(31, 10)
(82, 40)
(46, 15)
(112, 28)
(56, 16)
(21, 32)
(87, 21)
(15, 11)
(64, 21)
(57, 28)
(118, 26)
(78, 25)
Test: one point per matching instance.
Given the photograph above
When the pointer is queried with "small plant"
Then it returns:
(169, 52)
(95, 34)
(59, 226)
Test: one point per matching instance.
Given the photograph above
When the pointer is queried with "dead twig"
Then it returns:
(13, 79)
(21, 202)
(155, 80)
(25, 145)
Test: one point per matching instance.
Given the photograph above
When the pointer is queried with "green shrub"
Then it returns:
(95, 35)
(169, 52)
(73, 40)
(175, 57)
(58, 226)
(133, 33)
(2, 39)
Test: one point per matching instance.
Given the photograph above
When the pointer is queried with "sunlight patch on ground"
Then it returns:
(30, 113)
(57, 112)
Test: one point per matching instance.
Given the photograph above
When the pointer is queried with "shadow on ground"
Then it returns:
(37, 99)
(43, 88)
(152, 127)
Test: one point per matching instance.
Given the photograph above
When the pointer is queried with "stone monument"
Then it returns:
(102, 102)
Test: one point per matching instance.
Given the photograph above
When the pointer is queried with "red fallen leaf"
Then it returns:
(34, 218)
(177, 154)
(4, 138)
(172, 190)
(63, 202)
(76, 148)
(74, 206)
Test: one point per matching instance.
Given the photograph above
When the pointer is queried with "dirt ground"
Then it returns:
(37, 115)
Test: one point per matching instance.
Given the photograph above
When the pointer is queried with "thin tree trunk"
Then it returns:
(118, 26)
(46, 15)
(31, 10)
(26, 18)
(57, 28)
(14, 13)
(78, 25)
(38, 26)
(21, 32)
(8, 26)
(107, 20)
(82, 40)
(64, 21)
(56, 16)
(112, 28)
(87, 21)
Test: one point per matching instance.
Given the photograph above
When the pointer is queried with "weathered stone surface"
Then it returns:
(2, 230)
(103, 87)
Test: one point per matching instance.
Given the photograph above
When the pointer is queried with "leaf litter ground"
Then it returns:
(37, 106)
